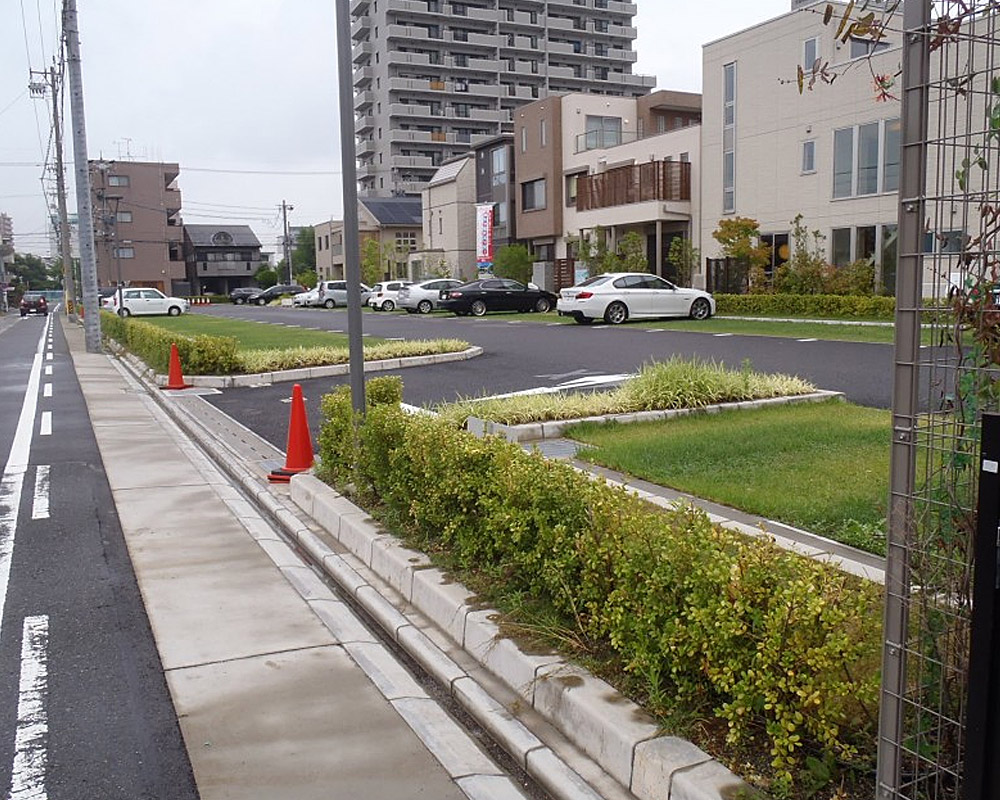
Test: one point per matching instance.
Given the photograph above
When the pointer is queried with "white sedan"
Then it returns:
(145, 301)
(425, 296)
(618, 296)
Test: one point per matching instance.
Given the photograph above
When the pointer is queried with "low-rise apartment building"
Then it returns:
(221, 258)
(449, 223)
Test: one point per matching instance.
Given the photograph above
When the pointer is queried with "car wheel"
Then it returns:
(388, 305)
(583, 320)
(478, 308)
(239, 301)
(542, 305)
(262, 302)
(616, 313)
(124, 313)
(425, 306)
(700, 309)
(329, 303)
(174, 311)
(24, 314)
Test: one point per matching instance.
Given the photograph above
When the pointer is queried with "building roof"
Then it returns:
(221, 235)
(449, 171)
(394, 210)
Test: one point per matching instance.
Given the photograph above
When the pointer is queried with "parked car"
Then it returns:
(140, 300)
(34, 303)
(265, 296)
(383, 296)
(618, 296)
(496, 294)
(334, 293)
(425, 296)
(240, 294)
(306, 298)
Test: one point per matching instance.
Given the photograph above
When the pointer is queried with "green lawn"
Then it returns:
(253, 335)
(819, 466)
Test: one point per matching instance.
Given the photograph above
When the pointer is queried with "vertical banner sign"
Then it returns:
(484, 236)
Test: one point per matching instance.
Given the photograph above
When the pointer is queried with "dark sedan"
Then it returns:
(496, 294)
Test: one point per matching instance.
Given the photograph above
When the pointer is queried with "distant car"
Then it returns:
(383, 296)
(306, 298)
(425, 296)
(265, 296)
(496, 294)
(334, 293)
(34, 303)
(241, 294)
(619, 296)
(143, 301)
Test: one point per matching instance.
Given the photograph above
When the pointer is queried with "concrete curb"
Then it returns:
(305, 373)
(555, 430)
(616, 733)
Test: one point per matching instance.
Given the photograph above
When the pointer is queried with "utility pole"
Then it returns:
(285, 208)
(352, 256)
(69, 288)
(85, 215)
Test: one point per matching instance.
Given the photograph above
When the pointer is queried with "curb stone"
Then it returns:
(620, 737)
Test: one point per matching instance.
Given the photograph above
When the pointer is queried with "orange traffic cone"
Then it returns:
(299, 452)
(175, 379)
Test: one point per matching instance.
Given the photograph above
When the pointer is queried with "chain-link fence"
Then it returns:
(946, 375)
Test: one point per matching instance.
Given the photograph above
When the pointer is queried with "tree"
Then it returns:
(804, 272)
(513, 261)
(265, 277)
(374, 259)
(31, 272)
(685, 258)
(594, 252)
(304, 252)
(309, 278)
(740, 240)
(631, 255)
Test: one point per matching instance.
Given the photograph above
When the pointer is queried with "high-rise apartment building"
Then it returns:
(430, 76)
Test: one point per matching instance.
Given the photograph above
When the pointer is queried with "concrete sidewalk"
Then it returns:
(259, 655)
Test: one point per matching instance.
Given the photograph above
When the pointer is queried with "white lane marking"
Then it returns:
(807, 340)
(655, 330)
(48, 356)
(47, 390)
(40, 505)
(13, 474)
(48, 369)
(721, 335)
(45, 429)
(27, 780)
(550, 324)
(579, 383)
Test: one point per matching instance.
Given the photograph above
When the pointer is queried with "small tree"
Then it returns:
(685, 258)
(805, 271)
(595, 254)
(304, 251)
(309, 278)
(513, 261)
(376, 260)
(265, 277)
(631, 255)
(740, 240)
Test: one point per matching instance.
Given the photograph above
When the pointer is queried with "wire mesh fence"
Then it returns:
(946, 371)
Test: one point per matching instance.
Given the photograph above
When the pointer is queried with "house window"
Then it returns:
(524, 140)
(729, 137)
(327, 241)
(868, 141)
(603, 131)
(809, 156)
(810, 52)
(123, 216)
(843, 162)
(890, 156)
(864, 243)
(685, 158)
(124, 252)
(498, 157)
(542, 133)
(406, 241)
(866, 159)
(533, 195)
(860, 48)
(118, 180)
(840, 247)
(572, 186)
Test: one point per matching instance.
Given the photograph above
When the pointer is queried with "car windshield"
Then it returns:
(33, 296)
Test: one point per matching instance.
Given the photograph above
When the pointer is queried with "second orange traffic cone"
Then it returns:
(299, 452)
(175, 378)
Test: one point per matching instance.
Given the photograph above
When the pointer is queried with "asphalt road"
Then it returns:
(523, 351)
(84, 709)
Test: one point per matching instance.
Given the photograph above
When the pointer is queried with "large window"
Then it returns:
(890, 155)
(729, 137)
(533, 195)
(498, 158)
(809, 156)
(840, 243)
(603, 131)
(843, 162)
(866, 159)
(810, 52)
(118, 180)
(868, 140)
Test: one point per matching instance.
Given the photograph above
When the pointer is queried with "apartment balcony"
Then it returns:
(490, 40)
(562, 49)
(435, 88)
(617, 54)
(416, 7)
(367, 172)
(643, 81)
(562, 73)
(489, 65)
(172, 201)
(414, 110)
(359, 7)
(360, 28)
(365, 148)
(364, 123)
(666, 181)
(561, 24)
(363, 77)
(430, 138)
(407, 32)
(479, 14)
(617, 7)
(361, 53)
(622, 31)
(364, 100)
(407, 162)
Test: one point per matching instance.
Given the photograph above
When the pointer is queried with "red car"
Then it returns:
(34, 303)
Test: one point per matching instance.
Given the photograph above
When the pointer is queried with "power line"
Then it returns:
(315, 173)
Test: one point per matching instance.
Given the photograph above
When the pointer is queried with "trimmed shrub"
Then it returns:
(199, 355)
(823, 306)
(773, 642)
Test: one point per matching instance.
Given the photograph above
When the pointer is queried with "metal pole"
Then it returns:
(285, 208)
(85, 215)
(906, 381)
(352, 257)
(69, 289)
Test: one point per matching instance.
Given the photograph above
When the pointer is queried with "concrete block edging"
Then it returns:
(612, 730)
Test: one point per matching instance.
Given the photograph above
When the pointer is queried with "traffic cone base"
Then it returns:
(299, 452)
(175, 378)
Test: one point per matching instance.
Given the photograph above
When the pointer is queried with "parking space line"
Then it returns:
(807, 340)
(40, 504)
(721, 335)
(655, 330)
(45, 429)
(27, 778)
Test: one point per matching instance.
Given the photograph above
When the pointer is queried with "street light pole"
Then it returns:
(285, 208)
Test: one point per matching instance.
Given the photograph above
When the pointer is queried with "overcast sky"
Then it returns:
(236, 91)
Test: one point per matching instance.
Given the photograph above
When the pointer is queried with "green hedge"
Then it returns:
(773, 642)
(822, 306)
(199, 355)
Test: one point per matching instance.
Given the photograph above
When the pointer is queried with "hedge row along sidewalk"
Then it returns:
(220, 361)
(780, 648)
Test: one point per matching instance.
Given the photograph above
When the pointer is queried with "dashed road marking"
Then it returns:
(27, 780)
(48, 369)
(40, 504)
(45, 429)
(47, 390)
(48, 356)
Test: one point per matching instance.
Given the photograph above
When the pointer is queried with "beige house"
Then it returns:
(449, 223)
(137, 224)
(830, 154)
